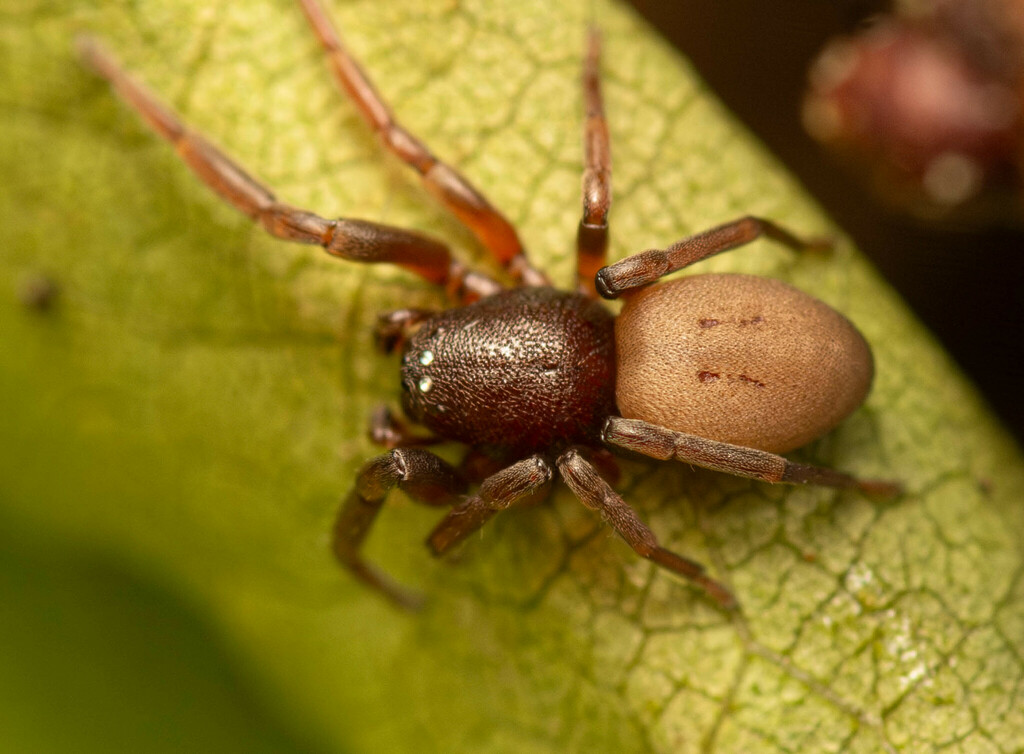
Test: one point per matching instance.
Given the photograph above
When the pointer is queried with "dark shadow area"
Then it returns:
(100, 659)
(966, 284)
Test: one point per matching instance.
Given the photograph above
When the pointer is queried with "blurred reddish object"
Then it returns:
(930, 104)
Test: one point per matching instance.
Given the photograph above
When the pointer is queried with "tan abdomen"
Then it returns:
(746, 360)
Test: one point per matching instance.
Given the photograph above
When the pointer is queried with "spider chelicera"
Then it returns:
(719, 371)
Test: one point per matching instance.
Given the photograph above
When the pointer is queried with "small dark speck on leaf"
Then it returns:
(37, 291)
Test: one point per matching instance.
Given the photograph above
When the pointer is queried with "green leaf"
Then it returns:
(179, 427)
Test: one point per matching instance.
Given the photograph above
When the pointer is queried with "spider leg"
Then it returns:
(592, 235)
(521, 482)
(395, 327)
(478, 464)
(391, 431)
(596, 494)
(355, 240)
(445, 183)
(666, 444)
(423, 476)
(648, 266)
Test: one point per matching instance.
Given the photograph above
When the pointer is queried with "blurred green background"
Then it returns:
(179, 427)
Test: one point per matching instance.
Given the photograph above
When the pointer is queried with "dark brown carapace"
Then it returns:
(531, 378)
(553, 351)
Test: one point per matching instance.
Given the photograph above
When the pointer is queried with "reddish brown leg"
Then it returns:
(592, 236)
(595, 493)
(648, 266)
(477, 465)
(395, 327)
(355, 240)
(392, 432)
(521, 482)
(666, 444)
(423, 476)
(445, 183)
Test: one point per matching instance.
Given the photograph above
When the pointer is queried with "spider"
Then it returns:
(720, 371)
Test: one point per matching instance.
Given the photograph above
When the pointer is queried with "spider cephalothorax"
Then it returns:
(719, 371)
(526, 370)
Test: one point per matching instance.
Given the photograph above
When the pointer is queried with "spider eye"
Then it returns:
(427, 358)
(425, 384)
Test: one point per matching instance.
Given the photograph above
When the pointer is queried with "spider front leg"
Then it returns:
(391, 431)
(592, 235)
(445, 183)
(522, 482)
(596, 494)
(423, 476)
(666, 444)
(394, 327)
(648, 266)
(355, 240)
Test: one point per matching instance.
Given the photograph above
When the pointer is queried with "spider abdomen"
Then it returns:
(524, 370)
(745, 360)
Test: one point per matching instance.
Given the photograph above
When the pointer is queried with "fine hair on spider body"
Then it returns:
(715, 370)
